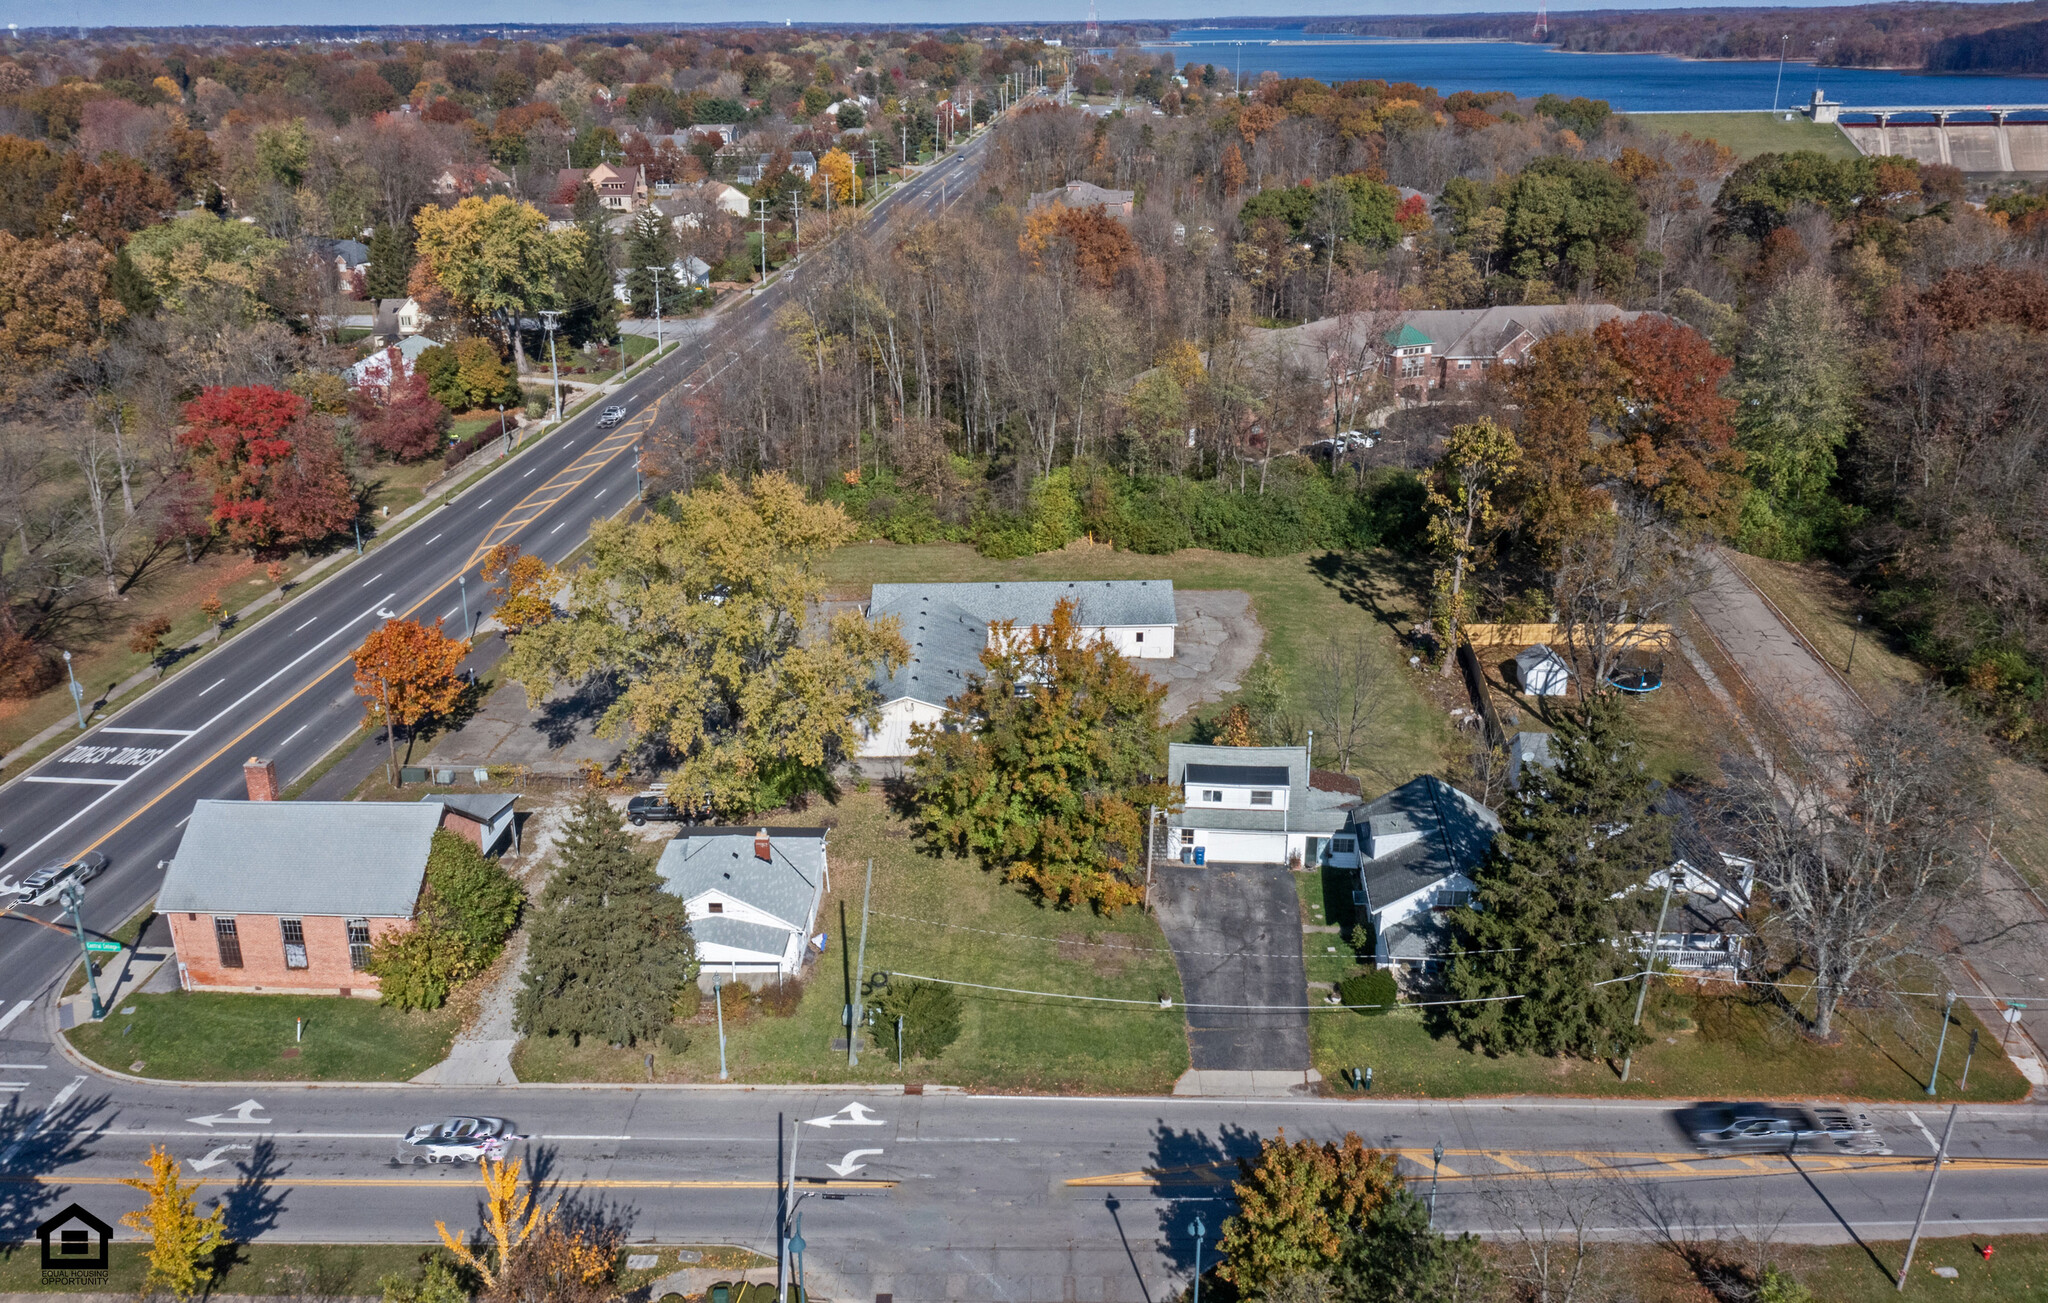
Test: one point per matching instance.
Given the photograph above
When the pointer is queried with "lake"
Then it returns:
(1631, 82)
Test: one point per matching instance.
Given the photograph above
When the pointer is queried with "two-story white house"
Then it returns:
(752, 895)
(1258, 805)
(1421, 845)
(948, 626)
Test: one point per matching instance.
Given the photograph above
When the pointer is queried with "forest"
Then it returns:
(1808, 377)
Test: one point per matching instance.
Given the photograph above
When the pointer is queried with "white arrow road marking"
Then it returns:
(243, 1114)
(28, 1134)
(846, 1166)
(214, 1159)
(855, 1115)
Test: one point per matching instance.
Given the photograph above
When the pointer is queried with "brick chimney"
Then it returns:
(261, 775)
(761, 845)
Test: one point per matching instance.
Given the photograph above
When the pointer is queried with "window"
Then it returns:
(294, 942)
(1187, 836)
(1450, 898)
(359, 943)
(1211, 794)
(1411, 367)
(1141, 635)
(1343, 845)
(1464, 366)
(229, 941)
(1262, 798)
(715, 907)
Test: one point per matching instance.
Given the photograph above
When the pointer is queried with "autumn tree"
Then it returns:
(1674, 437)
(410, 424)
(406, 674)
(1463, 515)
(526, 587)
(497, 258)
(699, 611)
(1048, 775)
(275, 470)
(1296, 1203)
(55, 306)
(1093, 244)
(838, 174)
(511, 1216)
(181, 1242)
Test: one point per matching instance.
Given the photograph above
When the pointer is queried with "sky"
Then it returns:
(149, 13)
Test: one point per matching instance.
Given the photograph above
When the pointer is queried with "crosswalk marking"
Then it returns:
(81, 782)
(7, 1020)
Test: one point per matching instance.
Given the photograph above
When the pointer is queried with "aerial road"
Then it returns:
(284, 689)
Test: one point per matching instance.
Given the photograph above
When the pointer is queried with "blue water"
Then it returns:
(1639, 82)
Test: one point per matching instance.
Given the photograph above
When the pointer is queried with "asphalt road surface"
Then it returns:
(949, 1195)
(284, 690)
(1236, 936)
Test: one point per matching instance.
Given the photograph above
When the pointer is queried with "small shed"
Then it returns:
(1542, 672)
(486, 818)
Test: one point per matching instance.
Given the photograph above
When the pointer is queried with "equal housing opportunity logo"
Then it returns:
(75, 1244)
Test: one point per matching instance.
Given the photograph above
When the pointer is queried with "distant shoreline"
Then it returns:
(1900, 69)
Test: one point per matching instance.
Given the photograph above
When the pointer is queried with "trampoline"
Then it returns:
(1638, 676)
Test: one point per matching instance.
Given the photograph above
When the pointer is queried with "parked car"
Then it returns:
(46, 884)
(457, 1140)
(1728, 1128)
(658, 808)
(611, 415)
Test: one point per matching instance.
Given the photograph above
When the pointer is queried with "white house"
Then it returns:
(752, 896)
(1542, 672)
(395, 362)
(949, 625)
(1258, 805)
(1421, 845)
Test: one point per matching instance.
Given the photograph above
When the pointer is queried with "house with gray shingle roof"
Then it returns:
(1421, 845)
(1258, 805)
(948, 626)
(752, 895)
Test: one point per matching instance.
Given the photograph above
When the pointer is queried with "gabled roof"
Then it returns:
(357, 859)
(1457, 832)
(945, 652)
(741, 935)
(1310, 808)
(786, 885)
(484, 807)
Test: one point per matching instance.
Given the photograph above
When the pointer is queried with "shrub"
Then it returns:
(1370, 993)
(438, 1283)
(689, 1002)
(416, 968)
(1778, 1287)
(410, 425)
(930, 1013)
(478, 900)
(781, 1000)
(675, 1040)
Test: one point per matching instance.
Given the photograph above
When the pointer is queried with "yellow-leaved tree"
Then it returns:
(838, 171)
(700, 611)
(181, 1242)
(1477, 461)
(496, 257)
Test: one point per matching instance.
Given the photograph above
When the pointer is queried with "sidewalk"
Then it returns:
(1998, 946)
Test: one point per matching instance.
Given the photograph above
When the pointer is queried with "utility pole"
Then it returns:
(796, 225)
(658, 277)
(468, 623)
(1649, 963)
(859, 971)
(1934, 1077)
(763, 215)
(78, 693)
(547, 320)
(1940, 1154)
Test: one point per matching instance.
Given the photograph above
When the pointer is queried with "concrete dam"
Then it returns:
(1994, 138)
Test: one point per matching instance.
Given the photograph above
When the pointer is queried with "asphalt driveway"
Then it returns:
(1235, 930)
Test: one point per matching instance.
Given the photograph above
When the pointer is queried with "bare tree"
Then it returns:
(1343, 691)
(1544, 1224)
(1862, 852)
(1614, 585)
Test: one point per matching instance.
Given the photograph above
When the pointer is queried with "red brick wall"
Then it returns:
(457, 822)
(327, 971)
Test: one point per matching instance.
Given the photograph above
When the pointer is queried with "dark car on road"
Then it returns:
(1720, 1127)
(642, 808)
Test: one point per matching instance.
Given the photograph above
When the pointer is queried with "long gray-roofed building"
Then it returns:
(948, 626)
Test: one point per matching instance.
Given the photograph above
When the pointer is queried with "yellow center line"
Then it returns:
(561, 487)
(1592, 1164)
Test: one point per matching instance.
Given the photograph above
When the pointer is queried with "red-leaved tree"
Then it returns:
(410, 425)
(1676, 437)
(275, 471)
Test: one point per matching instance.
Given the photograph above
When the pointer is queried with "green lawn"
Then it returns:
(1299, 601)
(1844, 1273)
(1707, 1045)
(939, 918)
(1750, 134)
(210, 1036)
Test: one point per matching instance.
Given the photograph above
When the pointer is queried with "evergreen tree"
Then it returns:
(1545, 920)
(593, 310)
(651, 243)
(127, 283)
(390, 262)
(611, 949)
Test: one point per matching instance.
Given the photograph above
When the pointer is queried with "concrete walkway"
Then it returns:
(1996, 943)
(482, 1053)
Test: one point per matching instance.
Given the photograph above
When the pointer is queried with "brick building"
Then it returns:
(289, 896)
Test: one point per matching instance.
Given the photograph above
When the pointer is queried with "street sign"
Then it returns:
(104, 947)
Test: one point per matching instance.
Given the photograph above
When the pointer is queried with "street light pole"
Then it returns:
(1434, 1172)
(77, 693)
(1201, 1231)
(468, 622)
(1934, 1077)
(74, 900)
(547, 319)
(762, 204)
(859, 971)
